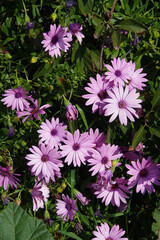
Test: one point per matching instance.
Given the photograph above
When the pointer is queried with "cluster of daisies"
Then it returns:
(114, 94)
(117, 92)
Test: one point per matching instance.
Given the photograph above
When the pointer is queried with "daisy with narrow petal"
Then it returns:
(76, 148)
(144, 174)
(33, 111)
(55, 40)
(16, 98)
(66, 208)
(136, 79)
(122, 103)
(40, 193)
(119, 73)
(102, 159)
(104, 233)
(97, 138)
(75, 30)
(52, 132)
(7, 177)
(44, 161)
(113, 191)
(97, 93)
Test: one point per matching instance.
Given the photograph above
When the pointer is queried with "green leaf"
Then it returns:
(85, 6)
(16, 224)
(131, 25)
(156, 98)
(83, 219)
(138, 137)
(71, 235)
(95, 55)
(72, 182)
(116, 39)
(155, 131)
(156, 225)
(82, 116)
(99, 29)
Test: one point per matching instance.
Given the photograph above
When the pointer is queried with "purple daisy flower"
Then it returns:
(122, 103)
(102, 159)
(76, 148)
(97, 93)
(143, 175)
(75, 30)
(72, 112)
(52, 132)
(136, 79)
(66, 208)
(44, 162)
(104, 233)
(119, 73)
(134, 154)
(97, 138)
(57, 39)
(16, 98)
(7, 177)
(40, 193)
(33, 111)
(113, 191)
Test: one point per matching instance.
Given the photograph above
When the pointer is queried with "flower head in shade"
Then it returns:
(112, 191)
(102, 159)
(55, 40)
(144, 174)
(97, 93)
(7, 177)
(16, 98)
(137, 78)
(75, 30)
(134, 154)
(40, 193)
(76, 148)
(122, 103)
(97, 138)
(104, 233)
(32, 111)
(66, 208)
(30, 25)
(72, 112)
(44, 162)
(52, 132)
(119, 72)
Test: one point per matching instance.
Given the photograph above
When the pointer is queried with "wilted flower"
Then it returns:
(55, 40)
(7, 177)
(75, 30)
(81, 198)
(70, 4)
(30, 25)
(72, 112)
(11, 132)
(66, 208)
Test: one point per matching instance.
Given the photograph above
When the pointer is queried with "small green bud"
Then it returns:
(54, 16)
(63, 185)
(46, 214)
(59, 190)
(23, 143)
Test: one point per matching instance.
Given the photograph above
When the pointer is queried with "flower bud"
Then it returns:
(63, 185)
(18, 201)
(59, 190)
(46, 214)
(72, 112)
(54, 16)
(33, 60)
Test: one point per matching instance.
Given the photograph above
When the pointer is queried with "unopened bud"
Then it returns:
(54, 16)
(33, 60)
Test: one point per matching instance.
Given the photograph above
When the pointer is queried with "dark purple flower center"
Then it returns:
(76, 147)
(143, 173)
(44, 158)
(118, 73)
(102, 94)
(34, 111)
(54, 132)
(104, 160)
(74, 27)
(54, 39)
(68, 206)
(114, 186)
(109, 238)
(121, 104)
(4, 174)
(18, 95)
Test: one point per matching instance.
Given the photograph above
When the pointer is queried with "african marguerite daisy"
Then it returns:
(75, 30)
(16, 98)
(104, 233)
(7, 177)
(144, 174)
(96, 137)
(66, 208)
(97, 93)
(52, 132)
(76, 148)
(102, 159)
(32, 111)
(122, 103)
(56, 39)
(119, 73)
(44, 161)
(40, 193)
